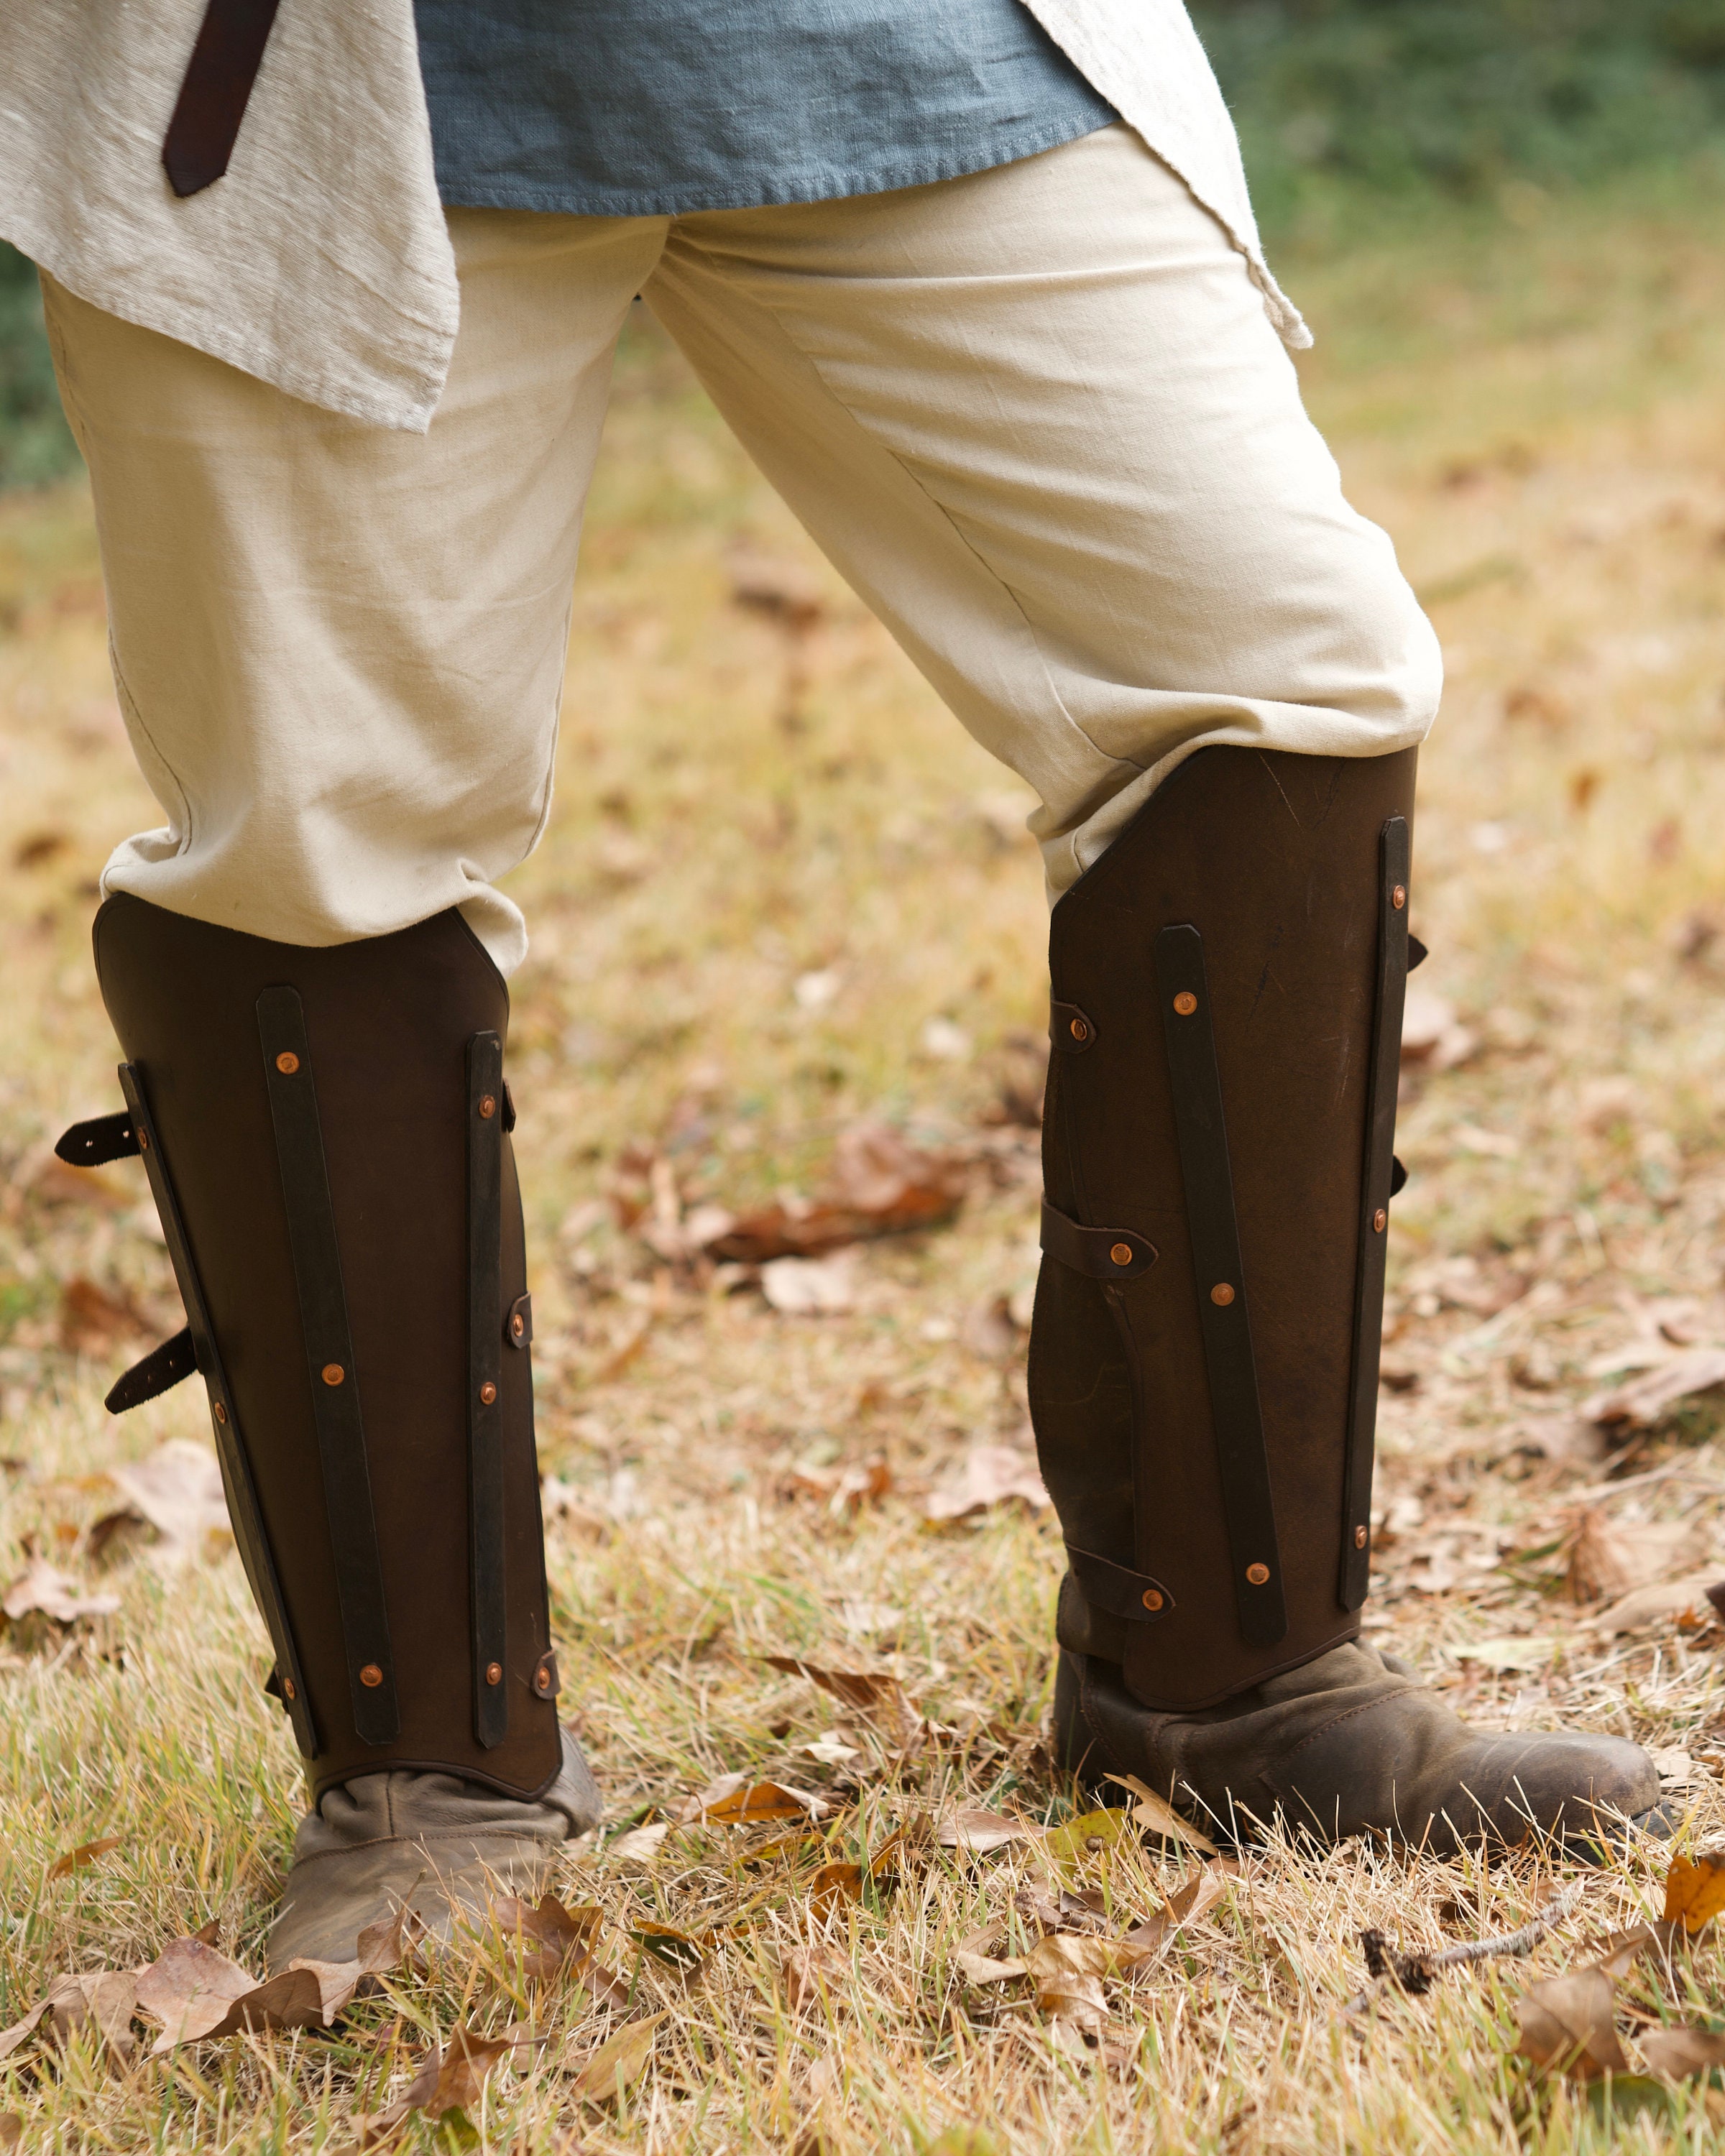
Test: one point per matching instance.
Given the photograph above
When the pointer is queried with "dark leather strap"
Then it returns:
(1417, 953)
(1378, 1184)
(1133, 1595)
(102, 1138)
(242, 1491)
(160, 1370)
(217, 90)
(1070, 1030)
(1105, 1253)
(1195, 1082)
(486, 1107)
(331, 1373)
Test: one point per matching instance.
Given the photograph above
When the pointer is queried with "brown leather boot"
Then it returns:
(325, 1132)
(1227, 984)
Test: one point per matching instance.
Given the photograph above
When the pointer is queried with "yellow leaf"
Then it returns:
(1086, 1836)
(1695, 1893)
(618, 2061)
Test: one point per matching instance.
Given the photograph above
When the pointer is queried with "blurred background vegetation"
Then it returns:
(1352, 112)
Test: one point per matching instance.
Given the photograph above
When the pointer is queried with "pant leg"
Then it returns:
(340, 649)
(1038, 420)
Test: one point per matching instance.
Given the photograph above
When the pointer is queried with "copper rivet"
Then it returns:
(143, 1141)
(488, 1392)
(1359, 1538)
(1399, 896)
(543, 1681)
(287, 1689)
(371, 1675)
(1185, 1003)
(494, 1672)
(1153, 1597)
(1257, 1574)
(333, 1373)
(517, 1325)
(287, 1063)
(221, 1412)
(1121, 1254)
(1222, 1294)
(1080, 1031)
(1380, 1220)
(488, 1104)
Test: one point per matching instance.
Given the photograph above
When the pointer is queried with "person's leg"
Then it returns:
(1039, 419)
(339, 655)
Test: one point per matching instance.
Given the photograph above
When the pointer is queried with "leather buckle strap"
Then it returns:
(217, 90)
(1070, 1030)
(158, 1372)
(1134, 1596)
(1105, 1253)
(1382, 1177)
(241, 1490)
(487, 1104)
(333, 1379)
(1183, 989)
(102, 1138)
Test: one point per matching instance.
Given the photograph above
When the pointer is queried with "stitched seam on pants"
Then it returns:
(885, 449)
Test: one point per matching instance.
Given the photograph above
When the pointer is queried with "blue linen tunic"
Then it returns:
(635, 108)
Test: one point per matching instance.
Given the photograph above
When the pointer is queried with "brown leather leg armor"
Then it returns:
(1227, 984)
(325, 1136)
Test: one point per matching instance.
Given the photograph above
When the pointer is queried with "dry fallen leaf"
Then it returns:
(984, 1968)
(641, 1845)
(733, 1800)
(880, 1185)
(980, 1831)
(547, 1936)
(1067, 1973)
(1681, 2051)
(879, 1697)
(608, 2072)
(1645, 1399)
(93, 1320)
(178, 1491)
(810, 1287)
(446, 2081)
(1566, 2022)
(1609, 1558)
(86, 1852)
(1694, 1892)
(1087, 1834)
(42, 1586)
(833, 1885)
(106, 1998)
(1144, 1943)
(1155, 1815)
(990, 1475)
(1679, 1600)
(809, 1973)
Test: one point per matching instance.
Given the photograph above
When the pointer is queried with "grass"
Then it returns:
(1529, 404)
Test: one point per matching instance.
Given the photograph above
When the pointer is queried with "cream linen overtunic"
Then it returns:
(321, 263)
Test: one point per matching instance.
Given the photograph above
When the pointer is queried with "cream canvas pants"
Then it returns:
(1037, 417)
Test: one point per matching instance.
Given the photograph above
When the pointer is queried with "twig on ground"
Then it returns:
(1416, 1973)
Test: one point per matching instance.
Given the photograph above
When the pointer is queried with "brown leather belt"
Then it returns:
(218, 87)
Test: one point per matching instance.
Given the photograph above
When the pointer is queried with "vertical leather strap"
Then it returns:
(242, 1491)
(216, 91)
(1184, 991)
(485, 1111)
(1378, 1185)
(329, 1360)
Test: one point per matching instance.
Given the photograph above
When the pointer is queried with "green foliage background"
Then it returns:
(1346, 107)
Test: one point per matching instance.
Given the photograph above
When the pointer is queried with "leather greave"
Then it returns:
(325, 1135)
(1228, 985)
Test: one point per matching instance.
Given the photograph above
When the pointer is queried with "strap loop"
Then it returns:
(1072, 1031)
(1134, 1596)
(1105, 1253)
(216, 91)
